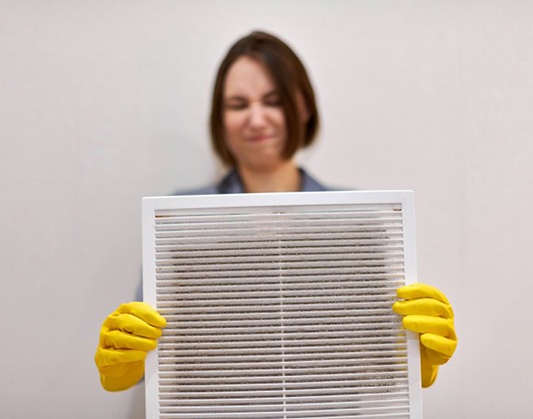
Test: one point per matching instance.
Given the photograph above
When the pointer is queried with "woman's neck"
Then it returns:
(284, 178)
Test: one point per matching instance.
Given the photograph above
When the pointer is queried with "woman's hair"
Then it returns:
(289, 76)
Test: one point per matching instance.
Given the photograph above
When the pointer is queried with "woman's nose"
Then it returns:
(257, 115)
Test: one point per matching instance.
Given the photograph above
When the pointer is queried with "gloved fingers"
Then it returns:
(117, 339)
(143, 311)
(131, 324)
(414, 291)
(435, 358)
(121, 370)
(428, 324)
(123, 376)
(439, 344)
(107, 358)
(423, 306)
(428, 373)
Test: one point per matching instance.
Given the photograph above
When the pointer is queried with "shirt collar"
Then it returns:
(232, 183)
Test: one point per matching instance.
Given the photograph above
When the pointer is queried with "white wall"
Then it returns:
(103, 102)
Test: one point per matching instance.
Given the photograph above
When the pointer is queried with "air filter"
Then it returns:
(279, 305)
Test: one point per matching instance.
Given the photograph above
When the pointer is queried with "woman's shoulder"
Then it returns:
(310, 184)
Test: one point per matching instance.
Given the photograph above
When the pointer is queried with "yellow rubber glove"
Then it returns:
(125, 338)
(428, 312)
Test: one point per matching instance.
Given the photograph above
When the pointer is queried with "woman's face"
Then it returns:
(254, 121)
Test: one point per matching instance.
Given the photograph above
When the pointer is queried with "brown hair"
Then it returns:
(290, 78)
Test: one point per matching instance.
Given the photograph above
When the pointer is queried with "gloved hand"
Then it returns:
(428, 312)
(125, 338)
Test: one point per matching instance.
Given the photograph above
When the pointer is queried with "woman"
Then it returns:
(263, 112)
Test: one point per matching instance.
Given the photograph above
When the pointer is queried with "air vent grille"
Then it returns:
(281, 312)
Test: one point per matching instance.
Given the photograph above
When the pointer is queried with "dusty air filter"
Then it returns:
(279, 305)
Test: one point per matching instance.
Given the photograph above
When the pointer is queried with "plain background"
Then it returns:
(103, 102)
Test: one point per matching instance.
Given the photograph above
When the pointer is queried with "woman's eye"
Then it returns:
(236, 106)
(274, 102)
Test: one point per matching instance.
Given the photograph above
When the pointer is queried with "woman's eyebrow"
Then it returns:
(234, 97)
(240, 97)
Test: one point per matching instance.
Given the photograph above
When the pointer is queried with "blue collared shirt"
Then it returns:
(232, 183)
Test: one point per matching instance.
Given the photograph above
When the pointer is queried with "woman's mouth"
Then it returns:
(259, 138)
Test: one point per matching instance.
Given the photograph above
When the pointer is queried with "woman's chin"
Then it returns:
(266, 164)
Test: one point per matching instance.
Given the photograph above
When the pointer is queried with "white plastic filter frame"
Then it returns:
(199, 251)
